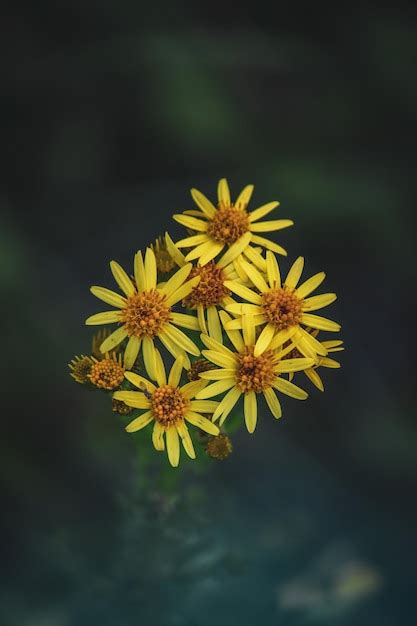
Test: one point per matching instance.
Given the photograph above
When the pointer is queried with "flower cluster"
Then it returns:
(215, 301)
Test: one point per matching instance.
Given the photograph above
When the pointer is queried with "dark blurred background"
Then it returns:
(111, 112)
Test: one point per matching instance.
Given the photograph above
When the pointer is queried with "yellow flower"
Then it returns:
(164, 261)
(80, 367)
(169, 406)
(335, 345)
(229, 224)
(144, 312)
(249, 370)
(283, 308)
(107, 373)
(209, 294)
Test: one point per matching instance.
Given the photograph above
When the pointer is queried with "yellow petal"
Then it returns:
(122, 279)
(227, 404)
(215, 388)
(201, 319)
(174, 252)
(219, 358)
(235, 249)
(106, 317)
(213, 344)
(186, 439)
(135, 399)
(273, 402)
(244, 197)
(264, 340)
(174, 349)
(202, 422)
(109, 297)
(289, 389)
(191, 222)
(185, 321)
(293, 365)
(248, 328)
(272, 268)
(218, 374)
(234, 335)
(191, 389)
(322, 323)
(183, 291)
(237, 323)
(256, 258)
(271, 226)
(263, 210)
(160, 374)
(199, 250)
(203, 203)
(269, 245)
(315, 379)
(149, 356)
(173, 446)
(139, 381)
(281, 337)
(223, 192)
(212, 252)
(178, 337)
(150, 270)
(310, 285)
(158, 437)
(176, 280)
(194, 240)
(315, 345)
(176, 371)
(251, 410)
(131, 352)
(139, 270)
(319, 302)
(140, 422)
(243, 292)
(295, 272)
(326, 362)
(214, 326)
(203, 406)
(113, 340)
(255, 276)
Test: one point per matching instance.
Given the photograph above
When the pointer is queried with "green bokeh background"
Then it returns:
(112, 112)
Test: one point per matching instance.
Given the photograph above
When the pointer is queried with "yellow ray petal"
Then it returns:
(223, 192)
(272, 268)
(269, 245)
(319, 302)
(150, 269)
(158, 437)
(213, 344)
(244, 197)
(212, 252)
(173, 446)
(264, 339)
(203, 203)
(219, 358)
(261, 211)
(315, 379)
(199, 250)
(185, 321)
(251, 410)
(295, 272)
(273, 402)
(235, 249)
(326, 362)
(135, 399)
(139, 270)
(131, 352)
(248, 328)
(122, 279)
(330, 344)
(183, 291)
(203, 406)
(140, 422)
(218, 374)
(272, 225)
(106, 317)
(315, 345)
(202, 422)
(190, 222)
(160, 374)
(214, 327)
(201, 319)
(177, 336)
(191, 389)
(255, 276)
(234, 335)
(322, 323)
(237, 323)
(293, 365)
(215, 388)
(149, 356)
(310, 285)
(108, 296)
(139, 381)
(176, 371)
(176, 280)
(174, 349)
(113, 340)
(243, 292)
(194, 240)
(186, 439)
(284, 386)
(236, 309)
(256, 258)
(227, 404)
(237, 265)
(174, 252)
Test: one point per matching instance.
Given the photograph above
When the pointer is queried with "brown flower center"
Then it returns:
(228, 224)
(106, 374)
(210, 290)
(255, 373)
(145, 313)
(282, 307)
(168, 405)
(219, 447)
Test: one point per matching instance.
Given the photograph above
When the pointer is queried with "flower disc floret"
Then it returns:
(145, 313)
(211, 290)
(255, 373)
(168, 405)
(282, 307)
(228, 224)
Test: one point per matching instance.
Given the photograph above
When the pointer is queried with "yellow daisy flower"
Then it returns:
(169, 406)
(144, 312)
(249, 370)
(323, 361)
(210, 293)
(284, 308)
(229, 224)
